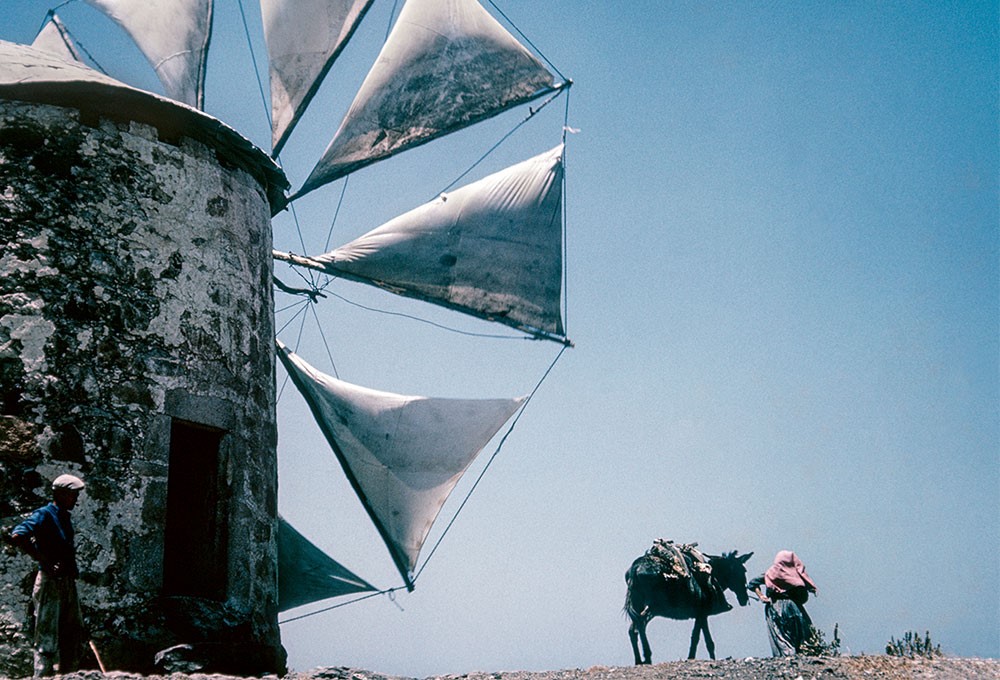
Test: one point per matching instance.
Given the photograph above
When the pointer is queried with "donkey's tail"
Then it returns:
(629, 609)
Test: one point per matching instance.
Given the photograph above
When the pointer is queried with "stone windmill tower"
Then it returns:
(137, 351)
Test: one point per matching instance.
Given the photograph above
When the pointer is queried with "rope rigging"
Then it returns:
(533, 111)
(316, 285)
(390, 592)
(253, 59)
(527, 40)
(489, 462)
(315, 290)
(482, 473)
(66, 36)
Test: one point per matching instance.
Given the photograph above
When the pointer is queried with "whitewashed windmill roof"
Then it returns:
(34, 75)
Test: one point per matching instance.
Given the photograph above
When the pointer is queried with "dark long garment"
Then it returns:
(58, 624)
(788, 623)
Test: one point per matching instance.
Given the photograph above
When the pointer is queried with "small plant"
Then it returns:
(817, 645)
(911, 645)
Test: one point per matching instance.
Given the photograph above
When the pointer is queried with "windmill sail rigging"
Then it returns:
(402, 454)
(174, 38)
(55, 39)
(492, 249)
(303, 37)
(307, 574)
(446, 65)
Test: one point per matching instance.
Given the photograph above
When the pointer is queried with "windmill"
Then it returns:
(491, 249)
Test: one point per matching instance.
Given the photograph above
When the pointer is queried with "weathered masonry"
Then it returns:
(136, 351)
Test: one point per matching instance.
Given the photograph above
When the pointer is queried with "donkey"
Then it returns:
(650, 595)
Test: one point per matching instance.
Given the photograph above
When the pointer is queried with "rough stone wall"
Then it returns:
(135, 288)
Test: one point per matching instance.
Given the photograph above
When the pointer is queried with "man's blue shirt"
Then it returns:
(51, 530)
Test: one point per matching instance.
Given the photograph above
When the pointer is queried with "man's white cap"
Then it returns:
(67, 482)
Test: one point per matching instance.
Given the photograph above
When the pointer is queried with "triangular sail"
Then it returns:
(447, 64)
(307, 574)
(173, 35)
(402, 454)
(303, 38)
(54, 38)
(492, 248)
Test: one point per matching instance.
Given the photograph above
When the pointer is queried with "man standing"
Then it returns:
(47, 536)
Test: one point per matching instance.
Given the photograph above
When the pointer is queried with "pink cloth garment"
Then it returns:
(787, 572)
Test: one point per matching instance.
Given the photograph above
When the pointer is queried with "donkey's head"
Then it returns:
(731, 573)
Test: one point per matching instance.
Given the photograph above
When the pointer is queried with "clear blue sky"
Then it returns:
(783, 285)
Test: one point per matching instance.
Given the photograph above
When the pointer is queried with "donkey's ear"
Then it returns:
(746, 557)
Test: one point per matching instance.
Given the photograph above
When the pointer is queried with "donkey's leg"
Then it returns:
(647, 654)
(709, 642)
(633, 637)
(695, 635)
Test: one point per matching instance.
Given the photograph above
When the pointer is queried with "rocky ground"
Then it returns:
(801, 668)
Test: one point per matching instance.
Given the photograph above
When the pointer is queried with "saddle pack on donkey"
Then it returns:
(683, 563)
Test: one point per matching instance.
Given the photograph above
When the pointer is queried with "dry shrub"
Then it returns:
(912, 645)
(817, 645)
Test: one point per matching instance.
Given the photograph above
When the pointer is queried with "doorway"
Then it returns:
(196, 551)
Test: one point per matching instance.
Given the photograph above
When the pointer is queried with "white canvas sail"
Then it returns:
(492, 248)
(173, 35)
(402, 454)
(55, 39)
(303, 37)
(446, 65)
(307, 574)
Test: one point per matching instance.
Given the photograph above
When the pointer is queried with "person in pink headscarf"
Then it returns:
(786, 590)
